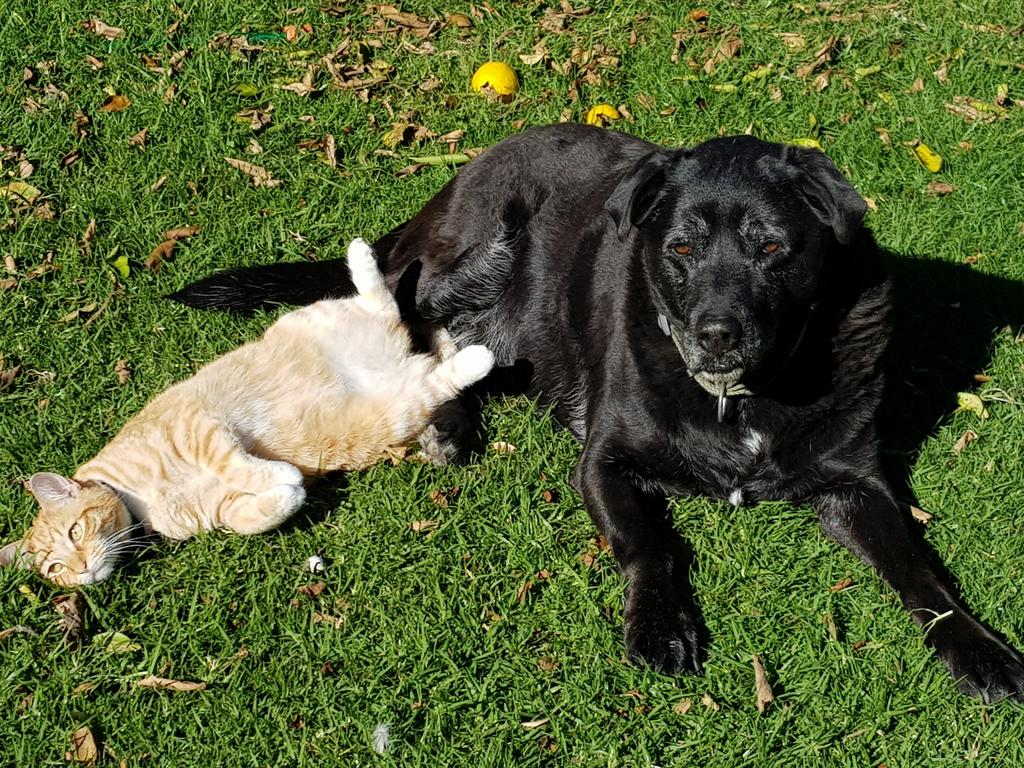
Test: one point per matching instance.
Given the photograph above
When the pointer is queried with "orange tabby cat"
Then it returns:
(334, 385)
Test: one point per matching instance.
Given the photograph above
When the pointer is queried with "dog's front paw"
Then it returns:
(982, 665)
(663, 634)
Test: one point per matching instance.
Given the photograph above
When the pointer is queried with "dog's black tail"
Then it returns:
(246, 289)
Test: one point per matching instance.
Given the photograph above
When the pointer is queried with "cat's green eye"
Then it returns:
(76, 532)
(54, 569)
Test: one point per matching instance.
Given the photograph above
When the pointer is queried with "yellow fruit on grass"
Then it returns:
(496, 76)
(602, 114)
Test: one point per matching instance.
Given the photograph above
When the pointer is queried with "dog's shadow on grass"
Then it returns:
(945, 320)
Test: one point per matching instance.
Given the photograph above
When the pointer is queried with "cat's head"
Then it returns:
(76, 537)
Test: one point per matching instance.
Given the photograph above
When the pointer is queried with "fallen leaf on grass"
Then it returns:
(259, 176)
(139, 139)
(709, 702)
(257, 117)
(116, 642)
(976, 110)
(312, 591)
(83, 747)
(101, 28)
(940, 188)
(765, 695)
(326, 618)
(501, 446)
(20, 190)
(821, 56)
(181, 233)
(17, 629)
(927, 156)
(423, 526)
(160, 254)
(920, 515)
(682, 707)
(968, 401)
(115, 103)
(8, 375)
(967, 437)
(69, 608)
(840, 585)
(531, 724)
(304, 87)
(93, 62)
(122, 371)
(163, 683)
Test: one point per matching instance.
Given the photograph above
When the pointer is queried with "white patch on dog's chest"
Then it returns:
(753, 441)
(736, 497)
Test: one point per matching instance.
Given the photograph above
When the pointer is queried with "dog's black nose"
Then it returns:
(719, 334)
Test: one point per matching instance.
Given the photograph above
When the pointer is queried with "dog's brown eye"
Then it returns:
(683, 249)
(770, 247)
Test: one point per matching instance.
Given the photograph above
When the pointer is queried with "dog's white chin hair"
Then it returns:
(713, 383)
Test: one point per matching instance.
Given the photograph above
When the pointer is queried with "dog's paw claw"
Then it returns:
(667, 642)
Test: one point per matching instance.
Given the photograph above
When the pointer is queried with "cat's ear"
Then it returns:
(15, 554)
(50, 489)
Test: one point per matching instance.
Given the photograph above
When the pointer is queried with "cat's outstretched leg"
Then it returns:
(465, 367)
(373, 293)
(248, 513)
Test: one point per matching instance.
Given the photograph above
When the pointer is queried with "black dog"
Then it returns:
(705, 321)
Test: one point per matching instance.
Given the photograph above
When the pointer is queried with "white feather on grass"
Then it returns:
(381, 738)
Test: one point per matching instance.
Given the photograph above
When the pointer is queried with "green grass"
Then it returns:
(435, 640)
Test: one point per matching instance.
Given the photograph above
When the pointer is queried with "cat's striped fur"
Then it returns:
(331, 386)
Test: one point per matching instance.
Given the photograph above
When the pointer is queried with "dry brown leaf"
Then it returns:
(160, 254)
(181, 233)
(941, 73)
(254, 147)
(312, 591)
(423, 526)
(531, 724)
(10, 265)
(765, 696)
(17, 629)
(101, 28)
(500, 446)
(70, 158)
(967, 437)
(940, 188)
(920, 515)
(430, 84)
(139, 139)
(304, 87)
(682, 707)
(326, 618)
(166, 684)
(840, 585)
(709, 702)
(330, 150)
(822, 55)
(976, 110)
(793, 40)
(258, 117)
(157, 184)
(83, 747)
(259, 176)
(122, 371)
(93, 62)
(460, 20)
(115, 103)
(69, 608)
(8, 375)
(25, 169)
(440, 498)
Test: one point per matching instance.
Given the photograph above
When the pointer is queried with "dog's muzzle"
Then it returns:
(720, 385)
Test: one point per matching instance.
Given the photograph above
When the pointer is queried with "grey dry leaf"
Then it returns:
(139, 139)
(259, 176)
(163, 683)
(920, 515)
(765, 696)
(160, 254)
(101, 28)
(122, 371)
(83, 747)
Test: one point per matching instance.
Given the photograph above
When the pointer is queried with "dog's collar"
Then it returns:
(721, 390)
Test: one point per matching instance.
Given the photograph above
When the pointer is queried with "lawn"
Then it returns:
(471, 609)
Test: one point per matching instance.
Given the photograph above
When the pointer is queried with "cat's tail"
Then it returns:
(246, 289)
(463, 369)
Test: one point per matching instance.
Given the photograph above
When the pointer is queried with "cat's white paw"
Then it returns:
(361, 257)
(472, 364)
(284, 473)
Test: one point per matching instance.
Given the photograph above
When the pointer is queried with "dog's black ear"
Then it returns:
(638, 192)
(832, 198)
